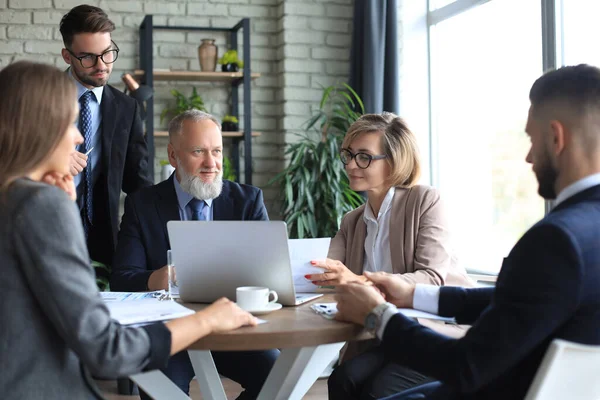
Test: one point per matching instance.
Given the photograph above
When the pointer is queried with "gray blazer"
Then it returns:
(54, 325)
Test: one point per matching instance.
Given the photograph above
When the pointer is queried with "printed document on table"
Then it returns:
(145, 310)
(127, 296)
(302, 251)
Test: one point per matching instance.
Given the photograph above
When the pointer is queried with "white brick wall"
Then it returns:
(297, 45)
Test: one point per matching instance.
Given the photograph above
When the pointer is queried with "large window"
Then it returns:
(483, 62)
(580, 30)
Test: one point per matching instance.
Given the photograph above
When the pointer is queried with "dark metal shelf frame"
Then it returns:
(147, 64)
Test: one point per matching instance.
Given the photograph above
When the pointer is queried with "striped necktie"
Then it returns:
(85, 127)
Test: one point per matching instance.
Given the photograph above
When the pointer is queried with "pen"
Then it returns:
(89, 151)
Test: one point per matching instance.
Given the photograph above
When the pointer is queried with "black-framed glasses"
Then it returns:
(90, 60)
(363, 160)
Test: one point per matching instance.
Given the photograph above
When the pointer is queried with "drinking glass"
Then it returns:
(173, 288)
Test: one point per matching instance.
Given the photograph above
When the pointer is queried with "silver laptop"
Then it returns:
(213, 258)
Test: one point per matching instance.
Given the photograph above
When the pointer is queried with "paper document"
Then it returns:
(127, 296)
(328, 310)
(302, 252)
(145, 310)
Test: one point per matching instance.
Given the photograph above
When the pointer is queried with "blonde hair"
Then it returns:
(36, 108)
(398, 142)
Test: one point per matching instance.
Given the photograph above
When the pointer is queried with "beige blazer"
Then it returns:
(420, 246)
(419, 239)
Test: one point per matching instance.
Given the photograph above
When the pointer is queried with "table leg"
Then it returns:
(296, 370)
(207, 375)
(158, 386)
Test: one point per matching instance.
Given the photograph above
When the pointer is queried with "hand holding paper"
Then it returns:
(302, 251)
(333, 272)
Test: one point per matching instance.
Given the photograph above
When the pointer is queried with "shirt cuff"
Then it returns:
(385, 318)
(426, 298)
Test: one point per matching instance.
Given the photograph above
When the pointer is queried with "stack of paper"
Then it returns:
(138, 308)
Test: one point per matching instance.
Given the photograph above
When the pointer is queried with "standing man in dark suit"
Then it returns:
(113, 156)
(548, 285)
(195, 191)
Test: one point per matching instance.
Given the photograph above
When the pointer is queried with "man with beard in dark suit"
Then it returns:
(195, 191)
(548, 285)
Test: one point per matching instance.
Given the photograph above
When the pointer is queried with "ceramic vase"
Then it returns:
(207, 55)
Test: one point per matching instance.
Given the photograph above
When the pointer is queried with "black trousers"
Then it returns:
(371, 375)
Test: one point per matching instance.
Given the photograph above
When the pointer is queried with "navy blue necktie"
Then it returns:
(85, 127)
(197, 207)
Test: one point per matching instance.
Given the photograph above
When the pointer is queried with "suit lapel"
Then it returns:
(358, 246)
(166, 204)
(396, 251)
(108, 109)
(223, 205)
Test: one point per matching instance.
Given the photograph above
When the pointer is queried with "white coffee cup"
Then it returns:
(254, 297)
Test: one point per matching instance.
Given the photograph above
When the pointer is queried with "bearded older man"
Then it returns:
(195, 191)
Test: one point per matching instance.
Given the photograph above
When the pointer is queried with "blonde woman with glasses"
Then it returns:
(401, 229)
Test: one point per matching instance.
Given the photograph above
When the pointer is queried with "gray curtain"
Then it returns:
(374, 55)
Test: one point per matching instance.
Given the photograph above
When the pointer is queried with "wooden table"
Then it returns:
(308, 343)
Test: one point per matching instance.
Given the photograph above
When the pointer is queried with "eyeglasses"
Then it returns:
(363, 160)
(90, 60)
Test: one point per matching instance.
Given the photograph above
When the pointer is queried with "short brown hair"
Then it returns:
(36, 108)
(578, 86)
(84, 19)
(399, 145)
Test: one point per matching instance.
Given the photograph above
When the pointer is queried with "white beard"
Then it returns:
(197, 187)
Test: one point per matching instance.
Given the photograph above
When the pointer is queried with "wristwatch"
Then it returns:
(373, 319)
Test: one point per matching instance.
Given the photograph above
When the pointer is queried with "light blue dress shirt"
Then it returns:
(95, 156)
(183, 200)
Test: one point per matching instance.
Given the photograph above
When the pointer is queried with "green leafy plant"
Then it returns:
(314, 188)
(231, 57)
(228, 172)
(183, 103)
(102, 275)
(230, 118)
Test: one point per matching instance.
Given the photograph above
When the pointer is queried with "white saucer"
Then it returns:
(269, 308)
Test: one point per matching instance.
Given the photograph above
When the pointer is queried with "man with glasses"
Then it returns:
(114, 155)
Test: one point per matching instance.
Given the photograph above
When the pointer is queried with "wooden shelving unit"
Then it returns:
(198, 76)
(237, 134)
(236, 81)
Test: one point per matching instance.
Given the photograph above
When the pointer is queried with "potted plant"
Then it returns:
(314, 189)
(228, 172)
(230, 124)
(183, 103)
(230, 61)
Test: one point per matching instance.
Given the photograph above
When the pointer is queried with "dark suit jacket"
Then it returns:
(124, 167)
(143, 238)
(547, 289)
